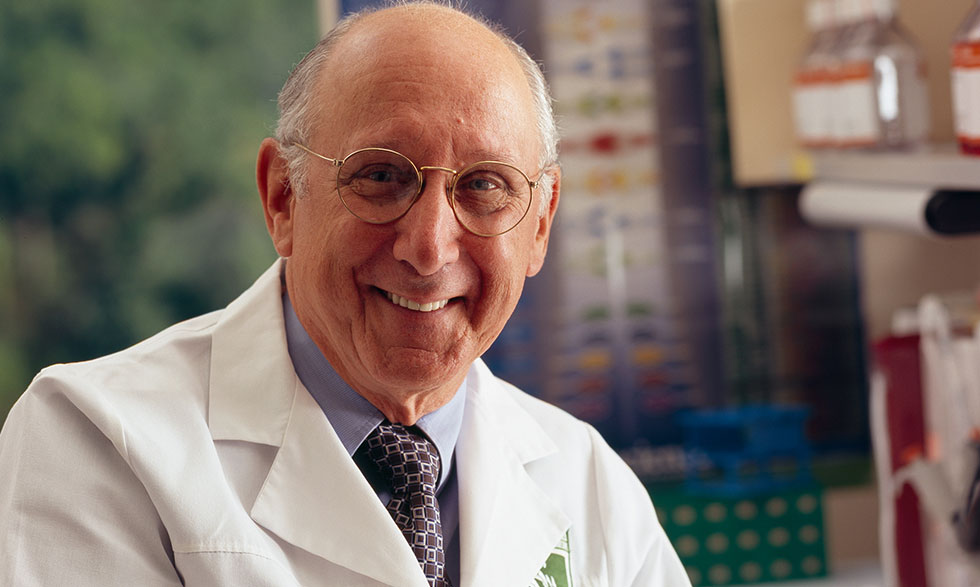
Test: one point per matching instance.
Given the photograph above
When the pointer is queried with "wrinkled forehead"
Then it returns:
(416, 32)
(435, 68)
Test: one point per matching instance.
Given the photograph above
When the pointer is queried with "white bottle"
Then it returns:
(852, 30)
(966, 82)
(901, 87)
(813, 84)
(882, 85)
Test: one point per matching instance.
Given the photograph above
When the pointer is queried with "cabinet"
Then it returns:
(762, 41)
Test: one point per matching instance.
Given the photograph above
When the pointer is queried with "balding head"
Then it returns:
(404, 35)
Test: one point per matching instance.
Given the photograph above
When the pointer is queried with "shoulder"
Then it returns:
(523, 415)
(173, 361)
(166, 371)
(577, 448)
(149, 394)
(572, 436)
(166, 377)
(87, 448)
(558, 423)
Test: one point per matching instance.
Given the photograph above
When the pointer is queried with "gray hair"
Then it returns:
(297, 101)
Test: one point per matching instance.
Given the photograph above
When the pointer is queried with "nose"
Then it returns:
(428, 234)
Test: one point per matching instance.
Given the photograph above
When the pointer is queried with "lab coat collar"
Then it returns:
(316, 498)
(252, 379)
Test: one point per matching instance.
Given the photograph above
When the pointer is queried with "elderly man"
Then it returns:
(334, 425)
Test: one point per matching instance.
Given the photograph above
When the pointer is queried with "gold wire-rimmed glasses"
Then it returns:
(378, 185)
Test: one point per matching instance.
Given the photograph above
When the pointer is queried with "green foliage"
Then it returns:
(128, 137)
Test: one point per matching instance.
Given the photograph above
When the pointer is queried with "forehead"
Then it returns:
(448, 79)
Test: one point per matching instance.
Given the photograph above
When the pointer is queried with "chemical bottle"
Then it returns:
(882, 93)
(966, 82)
(813, 83)
(851, 31)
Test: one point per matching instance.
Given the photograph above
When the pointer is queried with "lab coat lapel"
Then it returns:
(316, 498)
(508, 525)
(313, 496)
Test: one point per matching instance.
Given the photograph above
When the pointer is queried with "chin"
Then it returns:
(413, 369)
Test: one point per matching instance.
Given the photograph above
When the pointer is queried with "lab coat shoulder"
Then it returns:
(80, 450)
(163, 379)
(614, 535)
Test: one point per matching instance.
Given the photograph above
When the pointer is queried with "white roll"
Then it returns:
(864, 205)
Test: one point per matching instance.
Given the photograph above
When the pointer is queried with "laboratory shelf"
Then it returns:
(937, 167)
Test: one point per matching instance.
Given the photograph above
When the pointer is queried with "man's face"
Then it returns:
(440, 105)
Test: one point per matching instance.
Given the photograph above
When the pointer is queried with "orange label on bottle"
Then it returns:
(813, 77)
(966, 55)
(855, 71)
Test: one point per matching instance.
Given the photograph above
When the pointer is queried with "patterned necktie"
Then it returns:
(411, 463)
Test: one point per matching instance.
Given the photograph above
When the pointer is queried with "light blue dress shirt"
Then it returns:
(353, 418)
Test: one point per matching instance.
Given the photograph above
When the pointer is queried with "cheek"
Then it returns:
(319, 251)
(503, 271)
(322, 229)
(500, 296)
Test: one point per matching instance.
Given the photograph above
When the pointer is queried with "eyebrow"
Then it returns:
(480, 155)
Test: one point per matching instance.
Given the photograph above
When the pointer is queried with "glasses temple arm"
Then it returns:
(332, 161)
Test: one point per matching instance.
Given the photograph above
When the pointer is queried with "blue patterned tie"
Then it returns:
(411, 463)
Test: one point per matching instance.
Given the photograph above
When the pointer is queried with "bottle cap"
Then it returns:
(847, 11)
(813, 15)
(825, 13)
(819, 14)
(863, 9)
(883, 9)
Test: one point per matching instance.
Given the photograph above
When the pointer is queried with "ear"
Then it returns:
(544, 222)
(272, 177)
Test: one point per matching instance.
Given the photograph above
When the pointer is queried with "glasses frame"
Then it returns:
(450, 186)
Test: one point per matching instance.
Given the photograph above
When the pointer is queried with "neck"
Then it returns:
(408, 410)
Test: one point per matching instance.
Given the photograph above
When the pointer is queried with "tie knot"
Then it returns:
(408, 460)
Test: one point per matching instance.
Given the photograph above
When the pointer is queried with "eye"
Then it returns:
(377, 173)
(482, 181)
(380, 180)
(480, 184)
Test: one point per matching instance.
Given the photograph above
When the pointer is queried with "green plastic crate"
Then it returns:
(757, 539)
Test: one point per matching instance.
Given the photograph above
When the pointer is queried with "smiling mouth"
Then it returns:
(413, 305)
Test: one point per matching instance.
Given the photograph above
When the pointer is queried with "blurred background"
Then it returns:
(127, 151)
(691, 308)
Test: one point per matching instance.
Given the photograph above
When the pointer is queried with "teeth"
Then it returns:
(412, 305)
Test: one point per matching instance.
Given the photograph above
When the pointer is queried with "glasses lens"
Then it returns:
(491, 198)
(377, 185)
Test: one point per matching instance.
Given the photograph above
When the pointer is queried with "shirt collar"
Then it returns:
(352, 416)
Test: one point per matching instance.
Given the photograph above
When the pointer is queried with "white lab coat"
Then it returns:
(198, 457)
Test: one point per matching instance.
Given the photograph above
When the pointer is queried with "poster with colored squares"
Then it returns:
(620, 362)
